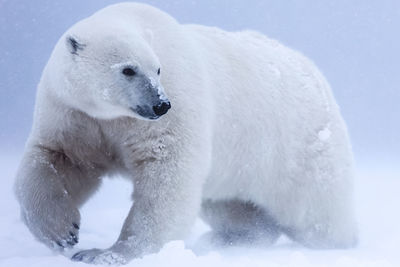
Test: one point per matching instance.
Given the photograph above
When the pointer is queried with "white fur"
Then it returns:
(251, 121)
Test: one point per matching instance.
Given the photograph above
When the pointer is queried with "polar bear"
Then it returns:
(233, 126)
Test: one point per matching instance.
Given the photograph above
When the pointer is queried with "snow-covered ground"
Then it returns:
(378, 208)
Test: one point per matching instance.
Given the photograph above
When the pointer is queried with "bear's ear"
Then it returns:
(74, 45)
(148, 36)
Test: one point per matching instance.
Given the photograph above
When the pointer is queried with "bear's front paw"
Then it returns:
(57, 226)
(99, 256)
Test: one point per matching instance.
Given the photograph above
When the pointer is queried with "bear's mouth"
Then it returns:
(145, 112)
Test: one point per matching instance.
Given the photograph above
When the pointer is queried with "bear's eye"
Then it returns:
(158, 71)
(128, 72)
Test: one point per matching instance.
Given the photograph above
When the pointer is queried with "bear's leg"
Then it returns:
(167, 198)
(324, 214)
(49, 189)
(236, 222)
(325, 235)
(324, 232)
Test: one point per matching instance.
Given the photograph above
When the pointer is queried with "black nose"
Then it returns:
(161, 108)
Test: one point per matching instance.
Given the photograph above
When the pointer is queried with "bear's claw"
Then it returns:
(68, 242)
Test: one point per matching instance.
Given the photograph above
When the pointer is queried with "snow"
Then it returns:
(377, 202)
(324, 134)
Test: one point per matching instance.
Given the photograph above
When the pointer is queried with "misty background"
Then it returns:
(354, 43)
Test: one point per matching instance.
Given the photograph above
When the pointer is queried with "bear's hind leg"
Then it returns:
(321, 214)
(236, 222)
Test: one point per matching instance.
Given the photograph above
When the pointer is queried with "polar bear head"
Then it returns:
(109, 72)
